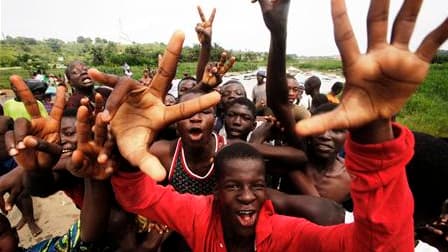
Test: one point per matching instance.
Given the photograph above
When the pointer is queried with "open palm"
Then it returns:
(37, 142)
(379, 82)
(137, 113)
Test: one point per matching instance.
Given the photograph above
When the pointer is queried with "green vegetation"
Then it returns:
(425, 112)
(427, 109)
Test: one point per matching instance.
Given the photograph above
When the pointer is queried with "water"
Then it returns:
(249, 80)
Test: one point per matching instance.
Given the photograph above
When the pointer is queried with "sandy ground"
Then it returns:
(54, 215)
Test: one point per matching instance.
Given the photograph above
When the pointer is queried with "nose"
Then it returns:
(247, 196)
(325, 136)
(237, 121)
(196, 118)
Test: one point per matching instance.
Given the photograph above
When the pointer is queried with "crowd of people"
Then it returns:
(212, 170)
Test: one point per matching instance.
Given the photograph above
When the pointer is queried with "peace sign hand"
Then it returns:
(379, 82)
(136, 113)
(204, 29)
(35, 144)
(91, 157)
(214, 72)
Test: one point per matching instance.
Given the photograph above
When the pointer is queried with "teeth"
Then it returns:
(66, 150)
(246, 212)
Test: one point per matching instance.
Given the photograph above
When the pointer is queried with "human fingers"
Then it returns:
(107, 79)
(188, 108)
(343, 33)
(99, 103)
(405, 22)
(222, 60)
(100, 130)
(25, 95)
(12, 198)
(10, 143)
(58, 107)
(118, 96)
(38, 144)
(432, 42)
(6, 123)
(76, 162)
(83, 130)
(377, 23)
(201, 14)
(229, 64)
(168, 65)
(136, 152)
(21, 129)
(212, 16)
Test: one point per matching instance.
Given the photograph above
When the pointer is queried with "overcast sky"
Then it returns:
(238, 23)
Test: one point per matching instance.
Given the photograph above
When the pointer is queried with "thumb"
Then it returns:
(11, 200)
(151, 165)
(318, 124)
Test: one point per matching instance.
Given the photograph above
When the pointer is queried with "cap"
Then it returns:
(36, 85)
(261, 73)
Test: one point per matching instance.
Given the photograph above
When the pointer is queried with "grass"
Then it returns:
(426, 111)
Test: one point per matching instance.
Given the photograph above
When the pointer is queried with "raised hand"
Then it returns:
(35, 144)
(214, 72)
(136, 113)
(379, 82)
(204, 29)
(6, 124)
(275, 14)
(91, 157)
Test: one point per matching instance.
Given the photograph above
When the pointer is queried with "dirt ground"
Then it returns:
(54, 215)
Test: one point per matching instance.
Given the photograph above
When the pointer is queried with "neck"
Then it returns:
(324, 164)
(84, 91)
(235, 242)
(201, 152)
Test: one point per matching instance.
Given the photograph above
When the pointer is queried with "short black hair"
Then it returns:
(313, 81)
(70, 112)
(245, 102)
(337, 87)
(235, 151)
(188, 77)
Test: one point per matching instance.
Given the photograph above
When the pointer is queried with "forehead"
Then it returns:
(243, 168)
(77, 65)
(189, 96)
(187, 82)
(240, 108)
(68, 121)
(292, 83)
(233, 86)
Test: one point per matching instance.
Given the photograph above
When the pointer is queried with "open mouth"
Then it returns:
(247, 218)
(195, 133)
(87, 81)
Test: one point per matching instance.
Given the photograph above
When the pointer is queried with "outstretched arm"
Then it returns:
(275, 15)
(204, 31)
(137, 113)
(378, 83)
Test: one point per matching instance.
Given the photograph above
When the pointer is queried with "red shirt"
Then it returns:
(383, 207)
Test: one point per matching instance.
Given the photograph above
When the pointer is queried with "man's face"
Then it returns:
(239, 121)
(185, 85)
(68, 136)
(328, 144)
(169, 100)
(232, 91)
(293, 90)
(260, 79)
(241, 193)
(196, 130)
(78, 76)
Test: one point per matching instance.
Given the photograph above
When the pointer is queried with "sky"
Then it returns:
(238, 24)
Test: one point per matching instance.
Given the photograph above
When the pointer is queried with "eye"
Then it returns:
(226, 93)
(259, 186)
(232, 187)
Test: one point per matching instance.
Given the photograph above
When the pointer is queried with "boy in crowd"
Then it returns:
(239, 218)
